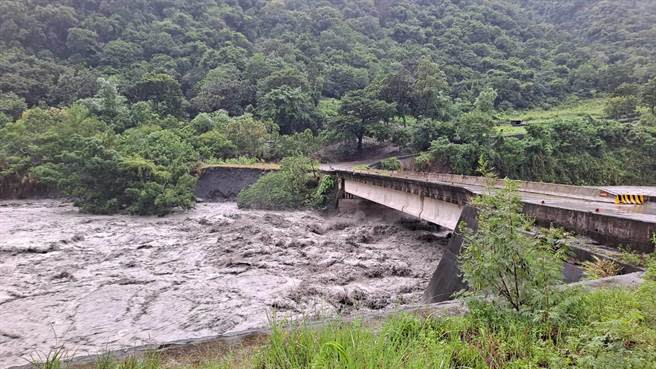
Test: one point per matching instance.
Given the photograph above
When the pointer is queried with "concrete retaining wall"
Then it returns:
(225, 183)
(17, 189)
(611, 231)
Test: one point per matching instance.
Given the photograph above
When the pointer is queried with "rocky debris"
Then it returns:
(63, 276)
(30, 249)
(76, 238)
(431, 237)
(418, 225)
(364, 236)
(339, 226)
(275, 220)
(316, 229)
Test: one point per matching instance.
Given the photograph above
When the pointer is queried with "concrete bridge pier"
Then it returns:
(446, 279)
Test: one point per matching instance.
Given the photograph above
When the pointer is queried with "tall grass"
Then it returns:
(54, 359)
(577, 109)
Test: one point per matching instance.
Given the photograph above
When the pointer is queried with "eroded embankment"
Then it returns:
(98, 283)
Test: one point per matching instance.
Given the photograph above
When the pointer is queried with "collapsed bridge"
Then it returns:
(441, 198)
(610, 215)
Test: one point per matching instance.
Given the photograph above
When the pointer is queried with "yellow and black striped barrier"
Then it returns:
(630, 199)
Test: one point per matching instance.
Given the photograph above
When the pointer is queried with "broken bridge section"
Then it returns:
(443, 199)
(440, 199)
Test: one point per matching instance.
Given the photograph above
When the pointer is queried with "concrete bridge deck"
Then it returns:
(586, 210)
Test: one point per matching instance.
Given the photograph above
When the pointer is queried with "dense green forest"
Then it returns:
(115, 102)
(232, 55)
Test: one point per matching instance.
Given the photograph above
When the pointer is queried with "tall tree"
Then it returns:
(432, 90)
(648, 95)
(291, 108)
(486, 99)
(399, 88)
(359, 112)
(163, 90)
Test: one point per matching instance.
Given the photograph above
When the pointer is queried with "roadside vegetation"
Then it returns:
(391, 164)
(298, 184)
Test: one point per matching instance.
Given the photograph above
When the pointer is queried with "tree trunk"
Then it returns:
(360, 137)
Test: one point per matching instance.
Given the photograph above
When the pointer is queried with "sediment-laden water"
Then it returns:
(97, 283)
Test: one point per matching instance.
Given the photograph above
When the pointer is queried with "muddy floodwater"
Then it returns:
(97, 283)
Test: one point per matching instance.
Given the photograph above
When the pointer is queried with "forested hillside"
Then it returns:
(232, 55)
(152, 88)
(620, 34)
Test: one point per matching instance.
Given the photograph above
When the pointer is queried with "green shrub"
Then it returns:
(291, 187)
(214, 144)
(621, 107)
(104, 181)
(393, 164)
(325, 194)
(303, 143)
(502, 259)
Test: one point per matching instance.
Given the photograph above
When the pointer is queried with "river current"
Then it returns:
(98, 283)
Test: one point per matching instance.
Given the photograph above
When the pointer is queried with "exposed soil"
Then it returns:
(97, 283)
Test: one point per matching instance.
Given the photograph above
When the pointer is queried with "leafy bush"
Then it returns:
(502, 259)
(303, 143)
(621, 107)
(393, 164)
(143, 170)
(325, 194)
(105, 181)
(291, 187)
(214, 144)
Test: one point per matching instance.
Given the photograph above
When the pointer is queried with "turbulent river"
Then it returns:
(97, 283)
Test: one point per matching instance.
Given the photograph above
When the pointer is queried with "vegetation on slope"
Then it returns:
(258, 55)
(574, 151)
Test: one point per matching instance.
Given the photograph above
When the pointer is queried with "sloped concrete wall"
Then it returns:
(446, 279)
(225, 183)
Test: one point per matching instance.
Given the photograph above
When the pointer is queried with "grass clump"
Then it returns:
(291, 187)
(601, 268)
(52, 360)
(361, 167)
(576, 109)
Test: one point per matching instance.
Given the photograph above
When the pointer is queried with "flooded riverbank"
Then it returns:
(96, 283)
